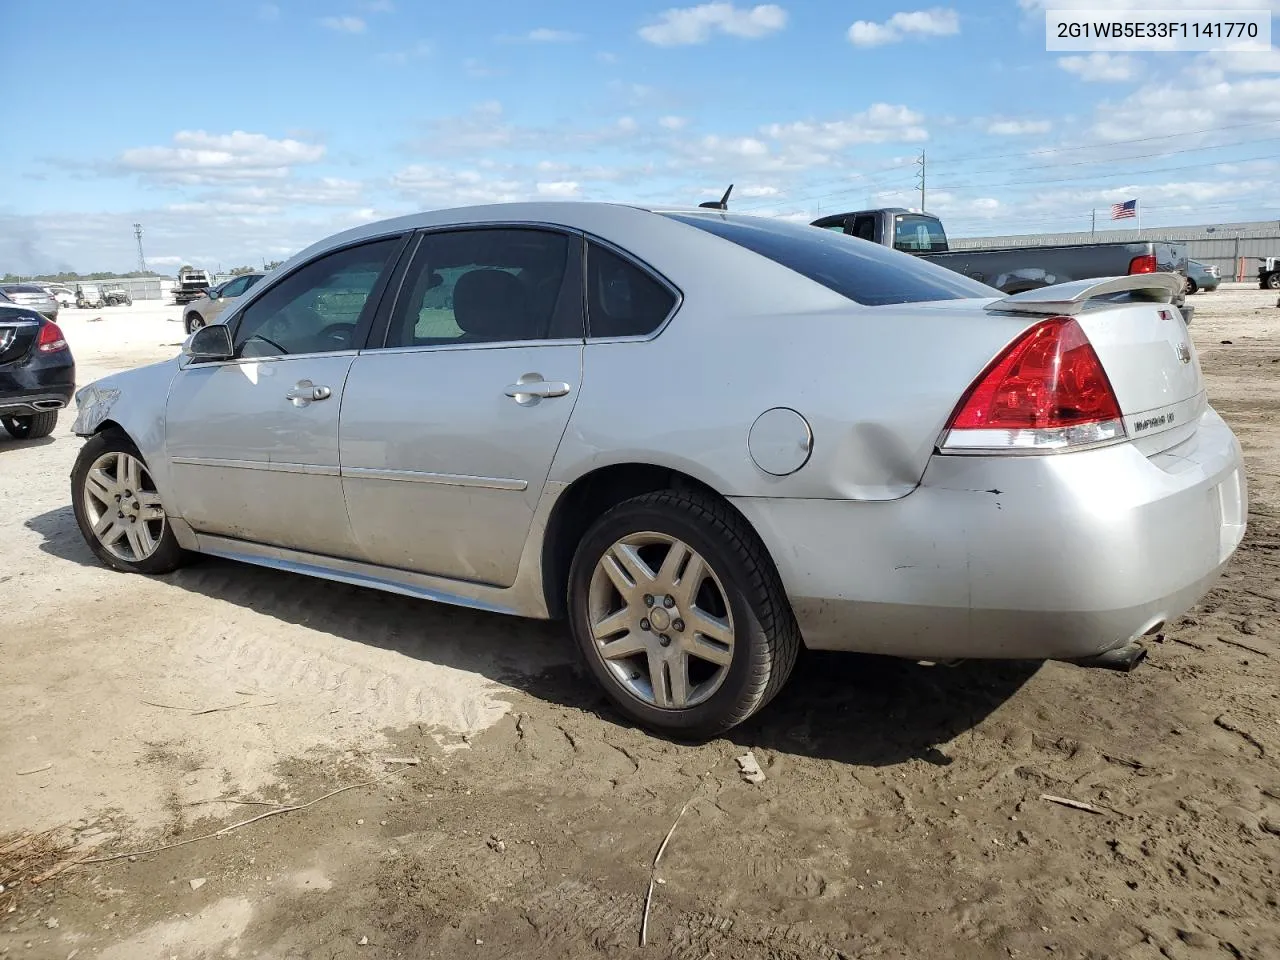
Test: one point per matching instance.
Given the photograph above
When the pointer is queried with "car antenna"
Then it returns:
(721, 204)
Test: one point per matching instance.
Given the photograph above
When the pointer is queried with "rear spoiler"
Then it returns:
(1067, 297)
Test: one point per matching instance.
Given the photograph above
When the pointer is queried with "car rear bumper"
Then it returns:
(1045, 557)
(39, 383)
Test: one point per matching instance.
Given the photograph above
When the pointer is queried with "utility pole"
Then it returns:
(920, 163)
(1093, 223)
(142, 260)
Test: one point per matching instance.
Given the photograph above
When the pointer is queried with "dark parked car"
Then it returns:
(37, 372)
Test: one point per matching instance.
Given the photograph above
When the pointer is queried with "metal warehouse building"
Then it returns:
(1221, 244)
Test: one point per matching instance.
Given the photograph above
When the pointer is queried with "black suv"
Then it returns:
(37, 372)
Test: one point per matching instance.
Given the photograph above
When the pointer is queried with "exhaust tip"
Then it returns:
(48, 404)
(1123, 659)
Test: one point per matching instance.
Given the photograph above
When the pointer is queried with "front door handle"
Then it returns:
(531, 388)
(305, 392)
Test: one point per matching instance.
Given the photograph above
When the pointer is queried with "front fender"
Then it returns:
(135, 402)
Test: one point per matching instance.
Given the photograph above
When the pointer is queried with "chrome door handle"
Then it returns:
(532, 390)
(304, 392)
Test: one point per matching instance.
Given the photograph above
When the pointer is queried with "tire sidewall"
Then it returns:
(167, 556)
(734, 700)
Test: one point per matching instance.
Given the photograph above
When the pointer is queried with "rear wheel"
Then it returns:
(679, 614)
(118, 508)
(1273, 281)
(31, 427)
(1192, 286)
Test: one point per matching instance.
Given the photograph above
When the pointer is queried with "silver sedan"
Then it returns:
(208, 308)
(704, 439)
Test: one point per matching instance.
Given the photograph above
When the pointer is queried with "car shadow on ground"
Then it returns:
(9, 443)
(854, 709)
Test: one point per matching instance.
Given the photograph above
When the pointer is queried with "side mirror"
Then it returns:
(209, 343)
(212, 294)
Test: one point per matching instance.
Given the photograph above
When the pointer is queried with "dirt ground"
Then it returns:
(901, 816)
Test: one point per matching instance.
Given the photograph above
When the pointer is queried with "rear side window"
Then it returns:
(866, 273)
(622, 299)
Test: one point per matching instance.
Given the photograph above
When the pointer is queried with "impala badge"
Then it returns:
(1184, 353)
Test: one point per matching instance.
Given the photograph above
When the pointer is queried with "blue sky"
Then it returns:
(244, 130)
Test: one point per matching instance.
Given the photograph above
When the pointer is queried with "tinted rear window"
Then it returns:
(866, 273)
(916, 234)
(24, 288)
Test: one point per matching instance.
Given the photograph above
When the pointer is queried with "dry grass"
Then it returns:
(28, 859)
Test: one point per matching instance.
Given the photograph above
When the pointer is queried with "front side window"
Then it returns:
(233, 288)
(865, 273)
(490, 285)
(317, 308)
(622, 299)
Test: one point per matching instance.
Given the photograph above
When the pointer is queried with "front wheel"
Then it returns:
(31, 427)
(1192, 287)
(680, 615)
(118, 508)
(194, 322)
(1273, 281)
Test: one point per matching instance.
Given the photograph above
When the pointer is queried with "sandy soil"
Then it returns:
(901, 815)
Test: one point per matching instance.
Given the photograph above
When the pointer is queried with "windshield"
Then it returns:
(864, 272)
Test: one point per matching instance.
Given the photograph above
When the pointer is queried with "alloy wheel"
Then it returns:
(123, 507)
(660, 620)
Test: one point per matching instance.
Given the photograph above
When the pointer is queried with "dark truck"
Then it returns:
(1011, 269)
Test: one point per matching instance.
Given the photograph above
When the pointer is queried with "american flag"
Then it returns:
(1127, 209)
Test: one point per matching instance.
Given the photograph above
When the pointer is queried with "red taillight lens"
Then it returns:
(1143, 264)
(1046, 391)
(51, 339)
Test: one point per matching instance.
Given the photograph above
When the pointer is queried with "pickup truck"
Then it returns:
(192, 284)
(1011, 269)
(1269, 273)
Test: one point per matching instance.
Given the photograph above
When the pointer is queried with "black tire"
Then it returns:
(1273, 281)
(766, 640)
(194, 323)
(168, 555)
(31, 427)
(1192, 287)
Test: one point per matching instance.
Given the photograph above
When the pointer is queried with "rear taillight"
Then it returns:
(1144, 264)
(51, 339)
(1046, 391)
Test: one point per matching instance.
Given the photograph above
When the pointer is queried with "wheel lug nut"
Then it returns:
(668, 601)
(648, 600)
(678, 625)
(664, 639)
(644, 625)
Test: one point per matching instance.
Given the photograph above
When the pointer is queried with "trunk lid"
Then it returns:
(1143, 344)
(17, 334)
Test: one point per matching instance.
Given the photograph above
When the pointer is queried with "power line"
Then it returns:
(1033, 153)
(1104, 176)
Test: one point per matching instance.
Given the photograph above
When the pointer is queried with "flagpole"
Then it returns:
(1138, 206)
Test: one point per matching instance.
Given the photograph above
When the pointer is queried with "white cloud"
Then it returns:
(456, 186)
(689, 25)
(934, 22)
(269, 11)
(547, 35)
(879, 123)
(558, 189)
(673, 123)
(480, 70)
(1145, 6)
(343, 24)
(419, 51)
(605, 56)
(1265, 61)
(201, 157)
(758, 190)
(1018, 128)
(1101, 67)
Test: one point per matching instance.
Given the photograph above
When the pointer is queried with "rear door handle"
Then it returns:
(305, 392)
(534, 389)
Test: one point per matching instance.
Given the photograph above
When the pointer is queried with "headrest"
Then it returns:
(490, 305)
